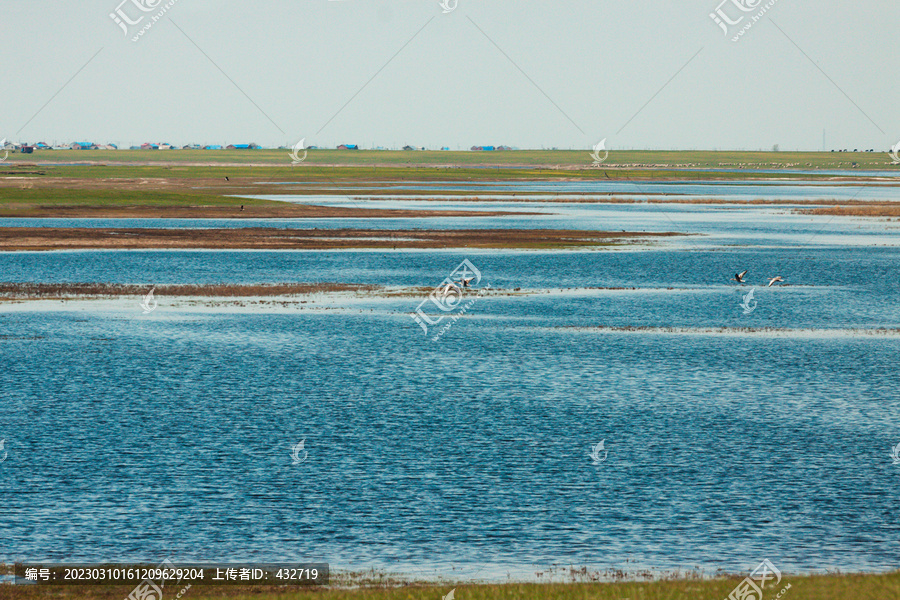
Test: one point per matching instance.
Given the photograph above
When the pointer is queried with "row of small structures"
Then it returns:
(30, 148)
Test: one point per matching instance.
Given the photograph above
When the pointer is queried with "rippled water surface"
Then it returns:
(730, 436)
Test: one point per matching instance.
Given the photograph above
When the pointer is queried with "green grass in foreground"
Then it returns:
(823, 587)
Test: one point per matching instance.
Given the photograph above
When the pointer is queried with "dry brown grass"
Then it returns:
(817, 587)
(871, 209)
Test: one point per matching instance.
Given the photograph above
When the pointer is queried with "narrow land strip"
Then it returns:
(260, 238)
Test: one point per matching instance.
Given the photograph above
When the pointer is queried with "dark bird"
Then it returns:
(242, 208)
(226, 178)
(740, 277)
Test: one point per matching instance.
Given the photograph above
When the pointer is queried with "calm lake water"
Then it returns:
(139, 437)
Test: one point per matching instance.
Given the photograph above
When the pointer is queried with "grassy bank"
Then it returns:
(519, 158)
(827, 587)
(214, 184)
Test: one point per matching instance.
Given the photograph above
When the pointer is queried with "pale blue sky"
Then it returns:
(577, 71)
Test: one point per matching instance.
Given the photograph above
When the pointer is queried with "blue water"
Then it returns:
(734, 190)
(136, 437)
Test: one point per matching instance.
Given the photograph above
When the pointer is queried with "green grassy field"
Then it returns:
(35, 184)
(828, 587)
(545, 159)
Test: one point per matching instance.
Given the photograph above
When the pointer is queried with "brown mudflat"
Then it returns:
(870, 209)
(259, 238)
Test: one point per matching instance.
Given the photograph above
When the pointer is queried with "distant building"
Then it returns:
(348, 147)
(191, 147)
(24, 149)
(408, 148)
(42, 146)
(445, 148)
(242, 147)
(214, 147)
(149, 146)
(83, 146)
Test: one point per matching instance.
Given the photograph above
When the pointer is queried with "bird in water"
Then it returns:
(774, 280)
(740, 277)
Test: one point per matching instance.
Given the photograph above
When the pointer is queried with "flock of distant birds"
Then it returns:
(739, 277)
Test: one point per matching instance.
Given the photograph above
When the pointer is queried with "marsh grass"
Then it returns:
(447, 159)
(818, 587)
